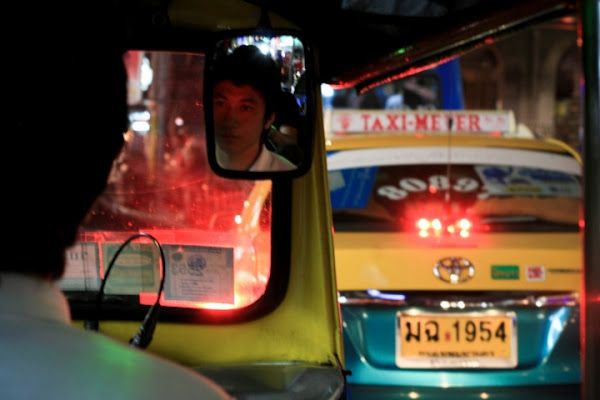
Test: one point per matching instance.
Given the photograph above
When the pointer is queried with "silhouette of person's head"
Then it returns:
(67, 111)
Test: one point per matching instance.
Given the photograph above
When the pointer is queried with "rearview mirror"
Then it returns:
(259, 106)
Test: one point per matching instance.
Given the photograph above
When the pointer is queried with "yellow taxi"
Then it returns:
(458, 254)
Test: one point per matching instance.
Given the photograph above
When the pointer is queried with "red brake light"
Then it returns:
(436, 227)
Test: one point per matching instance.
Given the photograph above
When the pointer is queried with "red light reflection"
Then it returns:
(444, 227)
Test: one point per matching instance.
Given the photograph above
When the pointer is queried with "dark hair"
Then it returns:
(65, 159)
(247, 65)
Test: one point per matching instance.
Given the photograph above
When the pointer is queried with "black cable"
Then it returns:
(144, 335)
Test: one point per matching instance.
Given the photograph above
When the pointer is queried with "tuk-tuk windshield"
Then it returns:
(211, 234)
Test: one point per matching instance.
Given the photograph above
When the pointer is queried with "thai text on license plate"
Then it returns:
(456, 340)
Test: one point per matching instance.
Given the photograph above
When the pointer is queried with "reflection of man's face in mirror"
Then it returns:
(239, 117)
(246, 89)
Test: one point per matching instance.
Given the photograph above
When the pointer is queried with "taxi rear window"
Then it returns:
(493, 197)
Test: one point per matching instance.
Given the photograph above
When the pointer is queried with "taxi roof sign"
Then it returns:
(346, 122)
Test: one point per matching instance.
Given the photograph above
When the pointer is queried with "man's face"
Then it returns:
(239, 116)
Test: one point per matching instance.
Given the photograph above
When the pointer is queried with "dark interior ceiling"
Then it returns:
(361, 42)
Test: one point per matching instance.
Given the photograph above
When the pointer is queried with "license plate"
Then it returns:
(456, 340)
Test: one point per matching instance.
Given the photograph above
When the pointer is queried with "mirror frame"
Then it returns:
(307, 133)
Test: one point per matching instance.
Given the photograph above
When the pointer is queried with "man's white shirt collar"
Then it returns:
(268, 161)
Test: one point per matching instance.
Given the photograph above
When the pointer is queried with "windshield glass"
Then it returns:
(200, 240)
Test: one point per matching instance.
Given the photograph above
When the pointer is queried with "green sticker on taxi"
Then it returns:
(505, 272)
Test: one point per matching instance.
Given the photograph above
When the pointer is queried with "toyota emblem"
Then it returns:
(454, 270)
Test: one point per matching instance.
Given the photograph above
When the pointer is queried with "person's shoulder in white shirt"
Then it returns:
(44, 357)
